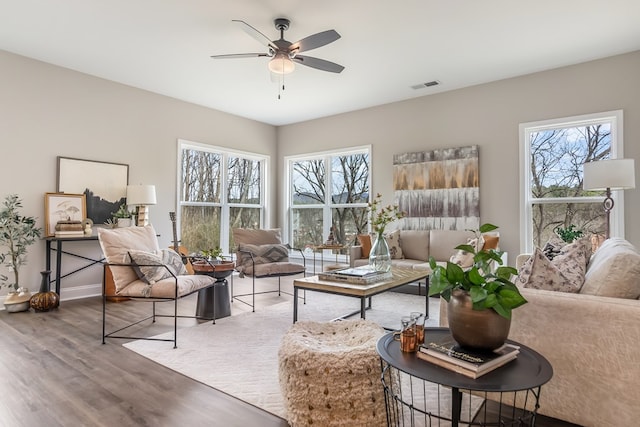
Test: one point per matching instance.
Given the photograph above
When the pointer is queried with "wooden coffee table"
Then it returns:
(401, 277)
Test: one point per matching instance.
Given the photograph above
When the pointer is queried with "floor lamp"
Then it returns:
(141, 196)
(608, 175)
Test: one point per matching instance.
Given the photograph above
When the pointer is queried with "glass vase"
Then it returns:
(380, 257)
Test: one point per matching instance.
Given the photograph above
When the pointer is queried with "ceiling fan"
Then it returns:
(284, 54)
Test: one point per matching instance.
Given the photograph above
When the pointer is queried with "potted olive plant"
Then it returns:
(480, 298)
(17, 233)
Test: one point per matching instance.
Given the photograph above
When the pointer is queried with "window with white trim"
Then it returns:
(552, 197)
(218, 189)
(327, 196)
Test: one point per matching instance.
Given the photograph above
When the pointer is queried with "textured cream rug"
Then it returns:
(238, 355)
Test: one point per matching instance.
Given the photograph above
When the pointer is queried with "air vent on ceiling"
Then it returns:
(427, 84)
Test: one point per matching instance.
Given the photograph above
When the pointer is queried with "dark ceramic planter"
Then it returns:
(482, 330)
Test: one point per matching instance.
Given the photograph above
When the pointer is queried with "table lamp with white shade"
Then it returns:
(141, 196)
(608, 175)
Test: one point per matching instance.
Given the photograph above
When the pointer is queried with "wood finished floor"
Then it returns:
(56, 372)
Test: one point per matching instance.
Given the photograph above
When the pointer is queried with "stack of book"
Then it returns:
(364, 275)
(448, 354)
(69, 229)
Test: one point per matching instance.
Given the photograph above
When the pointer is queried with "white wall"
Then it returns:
(487, 115)
(48, 111)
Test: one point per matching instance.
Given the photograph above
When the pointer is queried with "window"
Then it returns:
(328, 193)
(552, 155)
(219, 189)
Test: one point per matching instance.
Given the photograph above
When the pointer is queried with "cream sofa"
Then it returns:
(592, 341)
(417, 246)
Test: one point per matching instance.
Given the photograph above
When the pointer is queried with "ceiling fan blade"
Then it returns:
(315, 41)
(239, 55)
(318, 63)
(261, 38)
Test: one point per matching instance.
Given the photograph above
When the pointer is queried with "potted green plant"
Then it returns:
(212, 254)
(122, 216)
(481, 298)
(568, 234)
(17, 233)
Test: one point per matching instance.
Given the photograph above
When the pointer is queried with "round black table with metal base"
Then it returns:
(418, 392)
(213, 302)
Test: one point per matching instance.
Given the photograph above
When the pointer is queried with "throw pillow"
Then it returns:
(490, 241)
(150, 267)
(553, 247)
(393, 241)
(173, 259)
(115, 242)
(614, 270)
(262, 254)
(463, 258)
(365, 244)
(565, 273)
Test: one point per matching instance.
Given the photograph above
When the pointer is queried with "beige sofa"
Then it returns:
(592, 341)
(417, 246)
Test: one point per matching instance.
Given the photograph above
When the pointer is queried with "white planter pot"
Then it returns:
(15, 302)
(124, 222)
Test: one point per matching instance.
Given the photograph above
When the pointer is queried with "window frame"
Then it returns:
(225, 206)
(327, 206)
(615, 118)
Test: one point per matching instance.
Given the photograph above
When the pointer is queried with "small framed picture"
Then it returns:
(62, 207)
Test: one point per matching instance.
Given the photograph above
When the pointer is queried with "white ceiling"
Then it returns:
(164, 46)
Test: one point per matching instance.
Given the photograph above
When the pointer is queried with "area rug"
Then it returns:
(238, 355)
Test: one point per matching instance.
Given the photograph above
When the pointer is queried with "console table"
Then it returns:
(415, 390)
(55, 244)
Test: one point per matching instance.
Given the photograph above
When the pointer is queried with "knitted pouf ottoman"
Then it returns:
(330, 374)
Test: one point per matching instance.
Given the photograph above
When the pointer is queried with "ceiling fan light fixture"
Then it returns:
(281, 64)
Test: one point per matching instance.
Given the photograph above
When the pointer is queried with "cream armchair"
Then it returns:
(144, 272)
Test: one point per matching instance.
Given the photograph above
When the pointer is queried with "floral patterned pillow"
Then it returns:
(565, 273)
(393, 241)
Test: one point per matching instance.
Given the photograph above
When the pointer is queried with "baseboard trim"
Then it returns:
(68, 294)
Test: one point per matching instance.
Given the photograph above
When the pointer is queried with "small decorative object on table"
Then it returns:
(363, 275)
(448, 354)
(122, 217)
(480, 298)
(69, 228)
(379, 218)
(46, 299)
(407, 335)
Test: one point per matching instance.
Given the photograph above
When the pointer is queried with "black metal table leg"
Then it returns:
(58, 265)
(295, 304)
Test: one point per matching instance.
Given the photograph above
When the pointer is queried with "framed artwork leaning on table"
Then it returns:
(62, 207)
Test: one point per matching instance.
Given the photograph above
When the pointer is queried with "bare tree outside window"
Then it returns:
(210, 198)
(314, 212)
(557, 199)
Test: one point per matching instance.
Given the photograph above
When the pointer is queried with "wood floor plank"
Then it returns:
(55, 371)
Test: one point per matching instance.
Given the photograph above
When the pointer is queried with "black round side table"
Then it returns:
(417, 392)
(213, 302)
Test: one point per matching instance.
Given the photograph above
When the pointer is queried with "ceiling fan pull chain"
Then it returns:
(280, 87)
